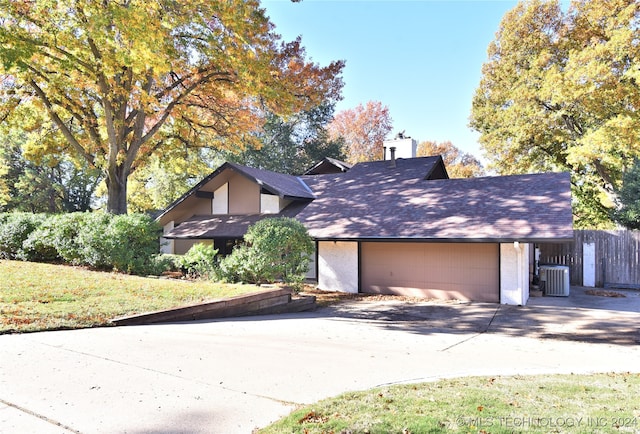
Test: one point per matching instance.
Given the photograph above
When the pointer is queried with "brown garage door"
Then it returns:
(436, 270)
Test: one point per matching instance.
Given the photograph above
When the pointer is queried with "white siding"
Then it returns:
(514, 273)
(167, 245)
(220, 204)
(338, 266)
(269, 204)
(405, 148)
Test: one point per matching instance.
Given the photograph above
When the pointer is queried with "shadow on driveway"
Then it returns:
(579, 317)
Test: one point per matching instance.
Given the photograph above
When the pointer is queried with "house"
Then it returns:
(398, 226)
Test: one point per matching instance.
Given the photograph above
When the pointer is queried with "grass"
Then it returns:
(600, 403)
(37, 297)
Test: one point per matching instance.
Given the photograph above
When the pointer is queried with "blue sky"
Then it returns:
(420, 58)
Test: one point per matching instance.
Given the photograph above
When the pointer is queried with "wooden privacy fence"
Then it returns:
(606, 258)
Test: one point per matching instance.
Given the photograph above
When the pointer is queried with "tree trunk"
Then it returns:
(117, 191)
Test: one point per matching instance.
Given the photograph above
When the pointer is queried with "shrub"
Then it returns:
(133, 243)
(15, 228)
(240, 266)
(165, 262)
(199, 261)
(65, 230)
(94, 244)
(126, 243)
(276, 248)
(40, 245)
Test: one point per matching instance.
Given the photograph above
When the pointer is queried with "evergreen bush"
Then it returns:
(40, 245)
(15, 229)
(275, 249)
(240, 266)
(65, 230)
(128, 243)
(199, 261)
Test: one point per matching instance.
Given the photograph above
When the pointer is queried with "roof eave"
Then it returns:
(505, 240)
(237, 168)
(193, 189)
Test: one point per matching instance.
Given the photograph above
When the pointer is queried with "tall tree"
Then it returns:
(628, 212)
(292, 144)
(165, 178)
(288, 144)
(125, 80)
(363, 131)
(53, 184)
(560, 92)
(30, 181)
(459, 164)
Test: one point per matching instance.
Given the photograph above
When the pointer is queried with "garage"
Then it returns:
(462, 271)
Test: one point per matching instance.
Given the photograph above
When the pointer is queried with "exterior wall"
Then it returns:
(272, 204)
(167, 245)
(220, 203)
(269, 204)
(338, 266)
(405, 148)
(183, 246)
(191, 206)
(201, 207)
(514, 273)
(244, 196)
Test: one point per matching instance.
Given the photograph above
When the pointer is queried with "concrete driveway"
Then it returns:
(231, 376)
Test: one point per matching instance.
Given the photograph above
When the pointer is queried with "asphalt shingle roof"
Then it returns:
(277, 183)
(412, 201)
(286, 186)
(226, 225)
(534, 207)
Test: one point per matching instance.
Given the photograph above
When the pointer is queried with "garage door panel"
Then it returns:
(433, 270)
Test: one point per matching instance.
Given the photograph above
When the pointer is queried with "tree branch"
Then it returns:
(63, 127)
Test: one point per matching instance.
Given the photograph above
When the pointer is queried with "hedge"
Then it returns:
(127, 243)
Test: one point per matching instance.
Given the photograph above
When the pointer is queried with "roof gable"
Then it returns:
(412, 199)
(328, 165)
(284, 186)
(401, 169)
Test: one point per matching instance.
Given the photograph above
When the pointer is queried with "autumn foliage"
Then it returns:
(559, 92)
(120, 82)
(363, 131)
(459, 164)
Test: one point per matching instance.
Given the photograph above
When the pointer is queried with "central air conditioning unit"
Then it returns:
(556, 280)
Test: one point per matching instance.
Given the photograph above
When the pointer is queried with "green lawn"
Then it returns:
(602, 403)
(35, 297)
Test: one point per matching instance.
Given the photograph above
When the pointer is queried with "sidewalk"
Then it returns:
(235, 375)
